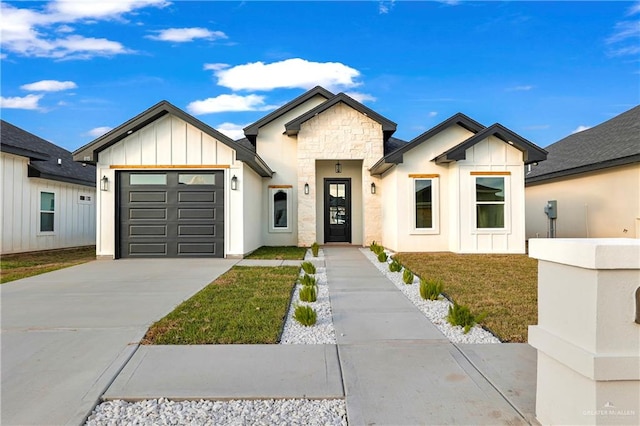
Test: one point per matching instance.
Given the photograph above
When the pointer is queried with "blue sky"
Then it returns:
(73, 70)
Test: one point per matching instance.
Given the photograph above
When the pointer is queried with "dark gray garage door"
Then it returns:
(171, 213)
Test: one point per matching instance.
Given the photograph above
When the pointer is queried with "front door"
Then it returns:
(337, 210)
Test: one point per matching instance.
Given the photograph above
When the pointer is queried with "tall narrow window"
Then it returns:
(280, 209)
(47, 211)
(424, 203)
(490, 202)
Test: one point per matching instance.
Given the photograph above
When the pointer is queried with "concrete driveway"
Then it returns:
(66, 334)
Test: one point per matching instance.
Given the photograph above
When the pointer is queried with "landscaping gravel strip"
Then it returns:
(235, 412)
(435, 310)
(322, 332)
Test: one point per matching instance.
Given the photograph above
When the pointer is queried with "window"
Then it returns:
(490, 202)
(147, 179)
(196, 179)
(424, 196)
(280, 208)
(47, 211)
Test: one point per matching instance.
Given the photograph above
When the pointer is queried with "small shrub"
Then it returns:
(305, 315)
(376, 248)
(308, 280)
(407, 276)
(395, 266)
(382, 257)
(309, 267)
(462, 316)
(315, 248)
(430, 289)
(308, 293)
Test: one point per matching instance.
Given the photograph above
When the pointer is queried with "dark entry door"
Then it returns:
(337, 210)
(167, 213)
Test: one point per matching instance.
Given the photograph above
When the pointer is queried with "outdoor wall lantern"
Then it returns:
(338, 167)
(373, 188)
(104, 183)
(234, 183)
(306, 189)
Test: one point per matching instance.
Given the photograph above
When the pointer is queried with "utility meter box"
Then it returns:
(551, 209)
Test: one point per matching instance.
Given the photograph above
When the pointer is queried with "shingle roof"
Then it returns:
(44, 157)
(89, 152)
(612, 143)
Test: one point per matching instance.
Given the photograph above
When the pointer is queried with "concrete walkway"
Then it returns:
(391, 364)
(66, 334)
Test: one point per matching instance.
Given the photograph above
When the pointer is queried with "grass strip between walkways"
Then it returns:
(22, 265)
(247, 304)
(279, 253)
(504, 286)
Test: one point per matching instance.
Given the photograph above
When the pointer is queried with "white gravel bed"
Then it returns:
(235, 412)
(322, 332)
(435, 310)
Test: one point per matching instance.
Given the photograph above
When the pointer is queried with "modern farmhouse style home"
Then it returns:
(322, 168)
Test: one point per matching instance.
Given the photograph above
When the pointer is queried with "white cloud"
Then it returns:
(580, 129)
(634, 9)
(49, 86)
(25, 102)
(182, 35)
(623, 40)
(224, 103)
(524, 88)
(290, 73)
(215, 67)
(361, 97)
(385, 7)
(98, 131)
(433, 114)
(36, 32)
(234, 131)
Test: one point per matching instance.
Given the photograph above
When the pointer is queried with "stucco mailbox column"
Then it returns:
(587, 338)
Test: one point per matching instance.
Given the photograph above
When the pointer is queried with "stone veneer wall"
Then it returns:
(339, 133)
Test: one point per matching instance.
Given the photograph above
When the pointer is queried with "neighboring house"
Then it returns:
(48, 200)
(322, 168)
(594, 176)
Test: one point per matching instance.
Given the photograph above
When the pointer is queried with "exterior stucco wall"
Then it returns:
(491, 155)
(74, 220)
(279, 151)
(338, 133)
(599, 204)
(253, 222)
(168, 141)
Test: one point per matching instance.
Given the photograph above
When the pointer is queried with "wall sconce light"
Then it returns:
(373, 188)
(104, 183)
(338, 167)
(234, 183)
(306, 189)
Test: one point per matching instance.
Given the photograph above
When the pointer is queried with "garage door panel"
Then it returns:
(170, 214)
(196, 197)
(148, 197)
(197, 230)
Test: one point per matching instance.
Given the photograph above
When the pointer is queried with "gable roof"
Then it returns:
(251, 131)
(388, 126)
(397, 156)
(43, 156)
(89, 152)
(532, 153)
(615, 142)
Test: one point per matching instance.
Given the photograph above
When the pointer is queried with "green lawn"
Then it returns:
(503, 286)
(23, 265)
(280, 253)
(245, 305)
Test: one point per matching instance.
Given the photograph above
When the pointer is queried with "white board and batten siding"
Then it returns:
(168, 141)
(74, 211)
(494, 156)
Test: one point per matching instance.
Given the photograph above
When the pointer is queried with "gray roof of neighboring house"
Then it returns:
(89, 152)
(44, 157)
(612, 143)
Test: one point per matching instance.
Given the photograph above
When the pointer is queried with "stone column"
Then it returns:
(587, 339)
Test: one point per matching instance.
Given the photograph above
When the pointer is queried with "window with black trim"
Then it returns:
(280, 208)
(490, 202)
(47, 211)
